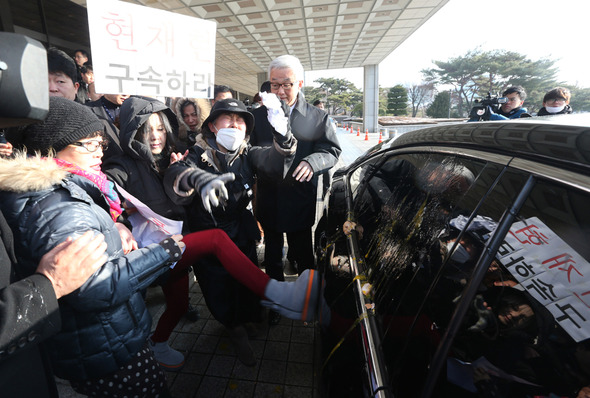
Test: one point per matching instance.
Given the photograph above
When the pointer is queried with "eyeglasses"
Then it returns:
(93, 145)
(556, 101)
(285, 86)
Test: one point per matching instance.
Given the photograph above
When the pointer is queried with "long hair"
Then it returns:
(162, 160)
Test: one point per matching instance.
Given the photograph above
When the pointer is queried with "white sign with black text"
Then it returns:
(145, 51)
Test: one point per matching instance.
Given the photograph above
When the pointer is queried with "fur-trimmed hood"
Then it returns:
(26, 174)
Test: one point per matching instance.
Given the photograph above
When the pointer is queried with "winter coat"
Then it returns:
(233, 217)
(288, 205)
(105, 322)
(185, 135)
(513, 114)
(229, 302)
(135, 171)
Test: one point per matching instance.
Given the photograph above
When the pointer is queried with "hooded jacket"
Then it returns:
(185, 135)
(135, 170)
(105, 322)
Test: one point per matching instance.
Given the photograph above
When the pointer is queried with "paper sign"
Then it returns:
(146, 51)
(149, 227)
(552, 272)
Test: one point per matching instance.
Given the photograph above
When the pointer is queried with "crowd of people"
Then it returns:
(75, 267)
(74, 237)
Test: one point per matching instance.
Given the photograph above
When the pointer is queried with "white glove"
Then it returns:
(215, 190)
(276, 114)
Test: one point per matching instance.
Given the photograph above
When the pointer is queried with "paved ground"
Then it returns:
(286, 364)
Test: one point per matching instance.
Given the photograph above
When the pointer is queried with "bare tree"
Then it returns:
(420, 95)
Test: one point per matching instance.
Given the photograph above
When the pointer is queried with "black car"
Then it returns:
(456, 262)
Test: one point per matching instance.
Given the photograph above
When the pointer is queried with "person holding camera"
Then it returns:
(511, 109)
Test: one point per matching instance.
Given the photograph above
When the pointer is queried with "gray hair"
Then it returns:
(287, 62)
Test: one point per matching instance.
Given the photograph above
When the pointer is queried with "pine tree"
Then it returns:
(440, 106)
(397, 101)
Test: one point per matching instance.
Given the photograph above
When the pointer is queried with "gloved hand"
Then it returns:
(278, 112)
(215, 190)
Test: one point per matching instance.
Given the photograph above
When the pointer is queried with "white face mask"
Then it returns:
(460, 254)
(554, 109)
(230, 138)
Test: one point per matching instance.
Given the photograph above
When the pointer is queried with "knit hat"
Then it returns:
(59, 61)
(230, 105)
(67, 122)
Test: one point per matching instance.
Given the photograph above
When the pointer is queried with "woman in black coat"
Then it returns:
(222, 160)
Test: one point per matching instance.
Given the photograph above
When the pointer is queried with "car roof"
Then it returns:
(562, 140)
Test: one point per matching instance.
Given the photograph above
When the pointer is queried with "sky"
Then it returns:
(554, 29)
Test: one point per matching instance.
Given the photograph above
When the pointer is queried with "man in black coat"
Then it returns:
(290, 205)
(29, 309)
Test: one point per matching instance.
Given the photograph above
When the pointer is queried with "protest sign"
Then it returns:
(146, 51)
(551, 271)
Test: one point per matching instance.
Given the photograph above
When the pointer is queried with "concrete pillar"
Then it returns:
(371, 98)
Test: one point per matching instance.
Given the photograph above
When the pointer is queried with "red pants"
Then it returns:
(212, 242)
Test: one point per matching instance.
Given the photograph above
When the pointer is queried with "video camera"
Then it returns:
(24, 87)
(484, 106)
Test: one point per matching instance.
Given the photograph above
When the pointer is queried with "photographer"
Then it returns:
(511, 106)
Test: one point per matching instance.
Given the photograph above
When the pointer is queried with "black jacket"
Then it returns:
(108, 113)
(29, 314)
(206, 160)
(135, 170)
(287, 205)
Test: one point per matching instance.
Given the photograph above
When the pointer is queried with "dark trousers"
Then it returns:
(300, 250)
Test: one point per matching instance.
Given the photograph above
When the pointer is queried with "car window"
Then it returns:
(528, 328)
(403, 206)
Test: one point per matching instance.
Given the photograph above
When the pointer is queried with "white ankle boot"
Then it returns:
(168, 357)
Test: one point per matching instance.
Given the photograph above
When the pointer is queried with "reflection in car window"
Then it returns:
(403, 206)
(528, 331)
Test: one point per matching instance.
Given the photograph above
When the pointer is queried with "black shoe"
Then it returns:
(291, 268)
(274, 318)
(192, 314)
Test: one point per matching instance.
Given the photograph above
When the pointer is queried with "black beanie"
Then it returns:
(66, 122)
(59, 61)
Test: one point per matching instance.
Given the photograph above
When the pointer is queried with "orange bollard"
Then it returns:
(366, 134)
(380, 137)
(358, 131)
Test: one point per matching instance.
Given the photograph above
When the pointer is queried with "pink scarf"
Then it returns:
(101, 181)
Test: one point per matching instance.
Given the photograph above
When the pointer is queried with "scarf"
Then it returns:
(100, 180)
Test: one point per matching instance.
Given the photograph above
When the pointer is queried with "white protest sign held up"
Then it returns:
(552, 272)
(145, 51)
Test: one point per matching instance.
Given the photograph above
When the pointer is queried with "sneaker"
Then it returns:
(239, 339)
(295, 300)
(167, 357)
